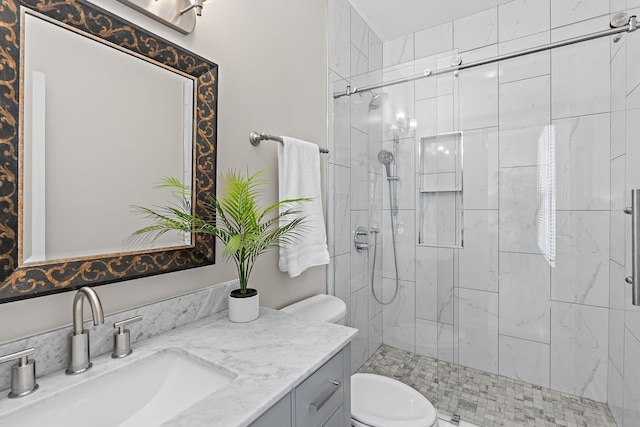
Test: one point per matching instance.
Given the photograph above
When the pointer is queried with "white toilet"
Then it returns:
(376, 401)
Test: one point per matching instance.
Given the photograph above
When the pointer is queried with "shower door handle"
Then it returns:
(634, 280)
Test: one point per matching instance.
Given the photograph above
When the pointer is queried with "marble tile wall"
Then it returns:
(541, 322)
(516, 311)
(624, 325)
(355, 137)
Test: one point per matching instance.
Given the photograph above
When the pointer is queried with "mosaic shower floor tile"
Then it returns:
(487, 399)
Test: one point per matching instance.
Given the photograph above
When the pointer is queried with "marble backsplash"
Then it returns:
(51, 346)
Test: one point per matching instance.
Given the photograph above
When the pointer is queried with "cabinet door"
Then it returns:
(337, 419)
(278, 415)
(321, 394)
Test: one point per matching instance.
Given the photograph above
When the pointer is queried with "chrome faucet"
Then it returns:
(79, 359)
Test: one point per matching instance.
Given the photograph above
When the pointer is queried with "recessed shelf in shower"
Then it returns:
(440, 211)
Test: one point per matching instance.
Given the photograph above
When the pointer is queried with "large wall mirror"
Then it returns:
(94, 113)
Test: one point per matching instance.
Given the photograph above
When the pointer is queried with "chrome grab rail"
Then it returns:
(634, 280)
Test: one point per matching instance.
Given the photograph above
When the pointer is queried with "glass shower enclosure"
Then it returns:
(493, 198)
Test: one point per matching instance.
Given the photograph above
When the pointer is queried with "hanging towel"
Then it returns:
(299, 176)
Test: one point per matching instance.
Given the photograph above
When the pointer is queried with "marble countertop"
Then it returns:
(269, 357)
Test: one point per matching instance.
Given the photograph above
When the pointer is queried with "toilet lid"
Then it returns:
(381, 402)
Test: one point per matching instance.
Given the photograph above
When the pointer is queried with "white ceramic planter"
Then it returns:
(244, 308)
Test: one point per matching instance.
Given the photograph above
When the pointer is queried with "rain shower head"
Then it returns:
(377, 99)
(386, 158)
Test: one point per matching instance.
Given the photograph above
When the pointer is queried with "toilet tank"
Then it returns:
(322, 307)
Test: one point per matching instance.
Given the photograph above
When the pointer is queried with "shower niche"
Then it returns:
(440, 211)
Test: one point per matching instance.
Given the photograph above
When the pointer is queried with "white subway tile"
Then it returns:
(445, 285)
(518, 206)
(405, 245)
(581, 73)
(631, 381)
(427, 338)
(399, 316)
(477, 30)
(342, 210)
(479, 257)
(360, 344)
(359, 33)
(339, 37)
(524, 67)
(519, 18)
(359, 170)
(525, 113)
(478, 331)
(581, 273)
(525, 309)
(359, 260)
(375, 52)
(480, 175)
(434, 40)
(579, 350)
(582, 165)
(615, 394)
(566, 12)
(427, 283)
(398, 51)
(524, 360)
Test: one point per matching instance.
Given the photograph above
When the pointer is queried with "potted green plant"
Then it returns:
(237, 219)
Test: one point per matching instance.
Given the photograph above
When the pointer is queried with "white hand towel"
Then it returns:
(299, 176)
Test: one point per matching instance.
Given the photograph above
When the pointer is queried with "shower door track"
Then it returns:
(629, 27)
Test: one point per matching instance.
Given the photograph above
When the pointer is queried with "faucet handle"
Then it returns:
(23, 373)
(122, 338)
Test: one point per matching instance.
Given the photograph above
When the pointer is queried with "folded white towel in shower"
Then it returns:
(299, 176)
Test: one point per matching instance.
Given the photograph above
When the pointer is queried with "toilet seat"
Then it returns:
(379, 401)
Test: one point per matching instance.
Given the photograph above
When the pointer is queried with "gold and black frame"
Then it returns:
(18, 281)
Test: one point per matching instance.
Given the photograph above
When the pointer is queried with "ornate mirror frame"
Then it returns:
(27, 281)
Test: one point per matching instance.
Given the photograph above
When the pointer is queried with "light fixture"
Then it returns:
(179, 15)
(403, 125)
(197, 5)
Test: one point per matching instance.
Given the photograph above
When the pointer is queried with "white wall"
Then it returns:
(272, 77)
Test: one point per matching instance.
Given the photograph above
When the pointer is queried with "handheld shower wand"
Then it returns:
(386, 158)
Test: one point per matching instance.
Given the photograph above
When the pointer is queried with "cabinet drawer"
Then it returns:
(321, 394)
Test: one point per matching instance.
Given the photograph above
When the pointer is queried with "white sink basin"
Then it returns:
(147, 392)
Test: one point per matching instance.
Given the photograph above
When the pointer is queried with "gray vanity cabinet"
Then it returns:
(322, 400)
(278, 415)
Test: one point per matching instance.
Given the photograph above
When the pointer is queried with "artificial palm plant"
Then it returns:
(236, 218)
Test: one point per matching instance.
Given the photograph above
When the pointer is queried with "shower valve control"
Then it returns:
(361, 239)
